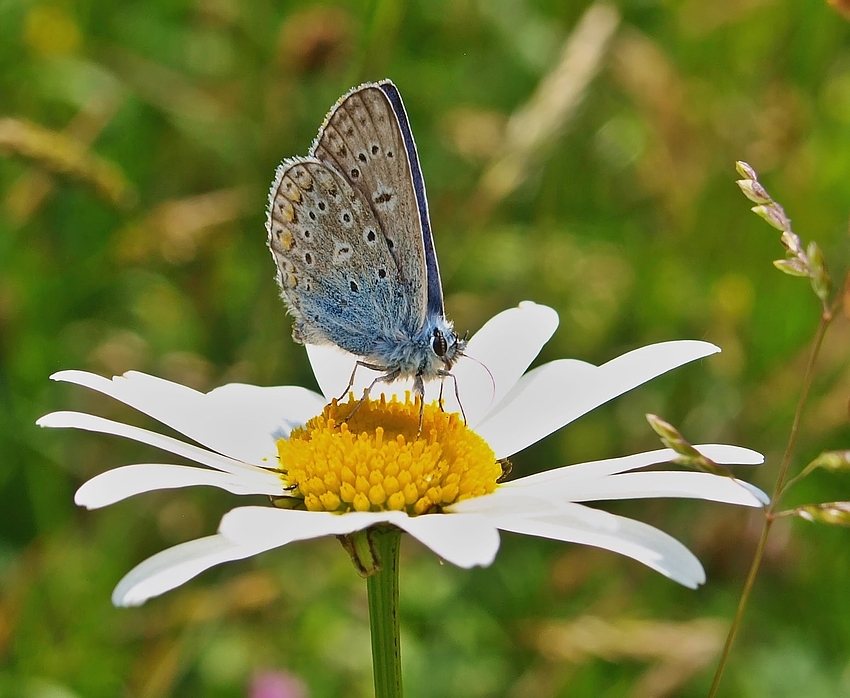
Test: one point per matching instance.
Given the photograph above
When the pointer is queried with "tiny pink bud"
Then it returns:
(773, 215)
(832, 513)
(277, 684)
(832, 460)
(687, 454)
(745, 170)
(664, 429)
(754, 191)
(792, 243)
(821, 283)
(792, 267)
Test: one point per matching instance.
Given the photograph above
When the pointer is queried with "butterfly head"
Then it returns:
(447, 346)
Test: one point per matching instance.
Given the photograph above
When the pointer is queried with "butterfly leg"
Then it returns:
(419, 392)
(388, 377)
(448, 374)
(361, 364)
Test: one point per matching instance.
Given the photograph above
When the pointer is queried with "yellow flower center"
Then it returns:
(379, 460)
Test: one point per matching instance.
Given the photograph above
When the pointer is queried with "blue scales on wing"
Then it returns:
(335, 270)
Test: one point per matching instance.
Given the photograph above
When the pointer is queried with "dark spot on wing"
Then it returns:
(370, 236)
(375, 150)
(355, 173)
(382, 198)
(362, 157)
(390, 244)
(308, 258)
(321, 205)
(354, 287)
(312, 216)
(389, 153)
(382, 273)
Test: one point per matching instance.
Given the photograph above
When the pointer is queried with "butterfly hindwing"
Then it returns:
(335, 271)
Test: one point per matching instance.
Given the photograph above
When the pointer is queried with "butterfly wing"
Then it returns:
(335, 270)
(435, 287)
(367, 138)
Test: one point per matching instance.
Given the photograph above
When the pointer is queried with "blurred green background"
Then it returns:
(578, 156)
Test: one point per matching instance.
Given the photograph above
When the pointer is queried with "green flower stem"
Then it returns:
(382, 587)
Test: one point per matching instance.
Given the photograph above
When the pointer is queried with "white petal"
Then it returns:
(126, 481)
(566, 476)
(498, 354)
(332, 367)
(691, 485)
(464, 540)
(282, 526)
(548, 397)
(240, 421)
(243, 532)
(88, 422)
(245, 421)
(504, 502)
(639, 541)
(177, 565)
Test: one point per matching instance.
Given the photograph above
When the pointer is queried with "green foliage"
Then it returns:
(137, 144)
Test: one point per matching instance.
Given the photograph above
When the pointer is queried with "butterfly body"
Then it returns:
(350, 234)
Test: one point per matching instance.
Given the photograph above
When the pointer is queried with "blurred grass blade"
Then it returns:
(532, 128)
(26, 194)
(65, 155)
(675, 651)
(175, 229)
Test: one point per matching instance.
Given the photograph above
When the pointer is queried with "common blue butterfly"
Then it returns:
(350, 234)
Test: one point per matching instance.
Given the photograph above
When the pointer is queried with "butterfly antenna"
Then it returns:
(489, 373)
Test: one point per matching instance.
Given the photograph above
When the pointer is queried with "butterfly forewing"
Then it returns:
(334, 268)
(363, 140)
(435, 286)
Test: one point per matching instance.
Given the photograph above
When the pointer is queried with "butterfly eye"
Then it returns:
(439, 344)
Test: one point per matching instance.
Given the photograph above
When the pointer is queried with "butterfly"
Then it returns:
(349, 230)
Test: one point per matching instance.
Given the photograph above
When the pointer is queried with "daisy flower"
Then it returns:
(330, 475)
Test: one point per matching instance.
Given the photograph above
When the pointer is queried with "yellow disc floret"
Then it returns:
(379, 459)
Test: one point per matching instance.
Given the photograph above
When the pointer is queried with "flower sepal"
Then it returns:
(360, 546)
